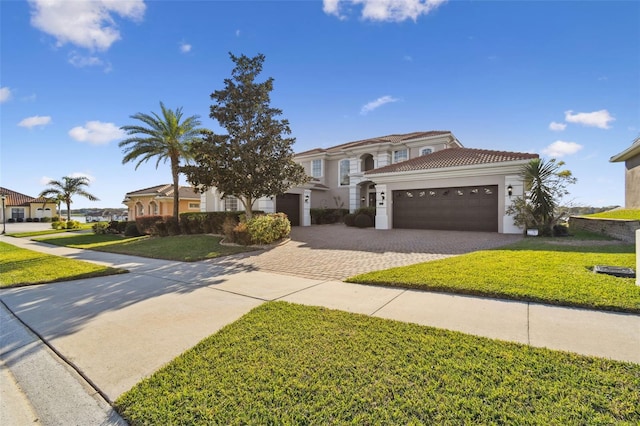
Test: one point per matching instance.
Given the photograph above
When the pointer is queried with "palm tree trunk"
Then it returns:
(68, 211)
(176, 189)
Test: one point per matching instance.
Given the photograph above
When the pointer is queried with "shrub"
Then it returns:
(560, 231)
(55, 224)
(369, 211)
(29, 219)
(268, 228)
(73, 224)
(241, 234)
(45, 219)
(320, 216)
(208, 222)
(146, 224)
(363, 220)
(55, 219)
(35, 219)
(11, 220)
(228, 228)
(100, 228)
(131, 230)
(349, 219)
(20, 219)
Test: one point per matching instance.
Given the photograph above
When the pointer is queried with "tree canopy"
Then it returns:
(66, 188)
(164, 137)
(255, 158)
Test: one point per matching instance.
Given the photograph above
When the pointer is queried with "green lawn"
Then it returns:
(632, 214)
(20, 266)
(536, 269)
(187, 248)
(292, 364)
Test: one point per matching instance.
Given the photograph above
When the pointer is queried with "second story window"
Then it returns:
(400, 155)
(426, 151)
(316, 168)
(344, 172)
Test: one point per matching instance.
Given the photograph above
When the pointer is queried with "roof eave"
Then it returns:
(628, 153)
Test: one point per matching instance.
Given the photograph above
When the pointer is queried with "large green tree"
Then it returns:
(545, 185)
(255, 158)
(66, 188)
(166, 137)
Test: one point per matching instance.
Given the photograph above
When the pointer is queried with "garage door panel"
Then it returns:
(289, 204)
(473, 208)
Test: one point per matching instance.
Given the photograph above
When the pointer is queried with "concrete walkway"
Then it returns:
(117, 330)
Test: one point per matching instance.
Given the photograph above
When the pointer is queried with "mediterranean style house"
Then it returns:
(631, 158)
(158, 201)
(17, 207)
(419, 180)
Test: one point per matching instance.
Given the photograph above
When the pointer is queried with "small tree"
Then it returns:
(545, 185)
(67, 188)
(253, 159)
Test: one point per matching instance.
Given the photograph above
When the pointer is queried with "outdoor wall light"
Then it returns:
(306, 198)
(382, 195)
(362, 199)
(510, 190)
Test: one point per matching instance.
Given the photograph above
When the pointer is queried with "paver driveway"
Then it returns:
(337, 251)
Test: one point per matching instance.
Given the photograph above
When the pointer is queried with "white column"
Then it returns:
(382, 207)
(517, 190)
(306, 208)
(354, 202)
(637, 256)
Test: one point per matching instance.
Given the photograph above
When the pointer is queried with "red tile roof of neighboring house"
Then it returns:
(14, 198)
(453, 157)
(393, 139)
(166, 190)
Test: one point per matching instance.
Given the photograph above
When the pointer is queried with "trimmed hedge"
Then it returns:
(208, 222)
(320, 216)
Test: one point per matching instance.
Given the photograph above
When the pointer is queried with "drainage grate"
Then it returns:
(616, 271)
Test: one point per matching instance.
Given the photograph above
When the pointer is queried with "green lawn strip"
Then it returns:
(187, 248)
(43, 232)
(630, 214)
(20, 267)
(531, 270)
(293, 364)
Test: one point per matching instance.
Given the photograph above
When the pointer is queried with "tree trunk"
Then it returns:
(68, 210)
(176, 190)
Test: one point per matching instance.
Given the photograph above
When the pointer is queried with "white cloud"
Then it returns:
(557, 127)
(35, 121)
(237, 33)
(44, 180)
(376, 104)
(5, 94)
(599, 119)
(185, 47)
(81, 61)
(96, 133)
(407, 58)
(561, 148)
(384, 10)
(88, 24)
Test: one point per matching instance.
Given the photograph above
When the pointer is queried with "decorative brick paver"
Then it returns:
(337, 251)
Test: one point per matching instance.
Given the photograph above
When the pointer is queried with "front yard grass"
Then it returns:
(186, 248)
(629, 214)
(20, 267)
(293, 364)
(548, 270)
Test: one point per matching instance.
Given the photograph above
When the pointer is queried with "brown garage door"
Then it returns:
(469, 208)
(289, 204)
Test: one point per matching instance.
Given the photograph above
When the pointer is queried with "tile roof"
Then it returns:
(17, 199)
(453, 157)
(393, 139)
(166, 190)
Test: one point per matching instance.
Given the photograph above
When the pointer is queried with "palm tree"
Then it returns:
(166, 137)
(67, 188)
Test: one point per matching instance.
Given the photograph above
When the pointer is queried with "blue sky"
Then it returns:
(558, 78)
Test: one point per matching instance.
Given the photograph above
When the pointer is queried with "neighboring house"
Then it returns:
(19, 207)
(158, 201)
(419, 180)
(631, 158)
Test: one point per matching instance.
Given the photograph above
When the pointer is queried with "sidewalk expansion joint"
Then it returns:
(302, 289)
(386, 304)
(60, 356)
(528, 323)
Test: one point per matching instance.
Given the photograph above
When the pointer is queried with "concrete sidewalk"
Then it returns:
(120, 329)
